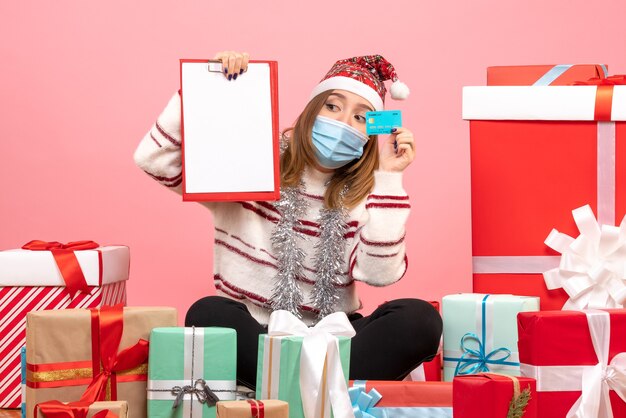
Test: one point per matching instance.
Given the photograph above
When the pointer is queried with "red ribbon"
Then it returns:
(107, 325)
(56, 409)
(257, 408)
(604, 94)
(66, 261)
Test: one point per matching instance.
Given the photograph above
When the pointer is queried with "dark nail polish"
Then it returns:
(393, 130)
(230, 77)
(225, 70)
(241, 71)
(235, 77)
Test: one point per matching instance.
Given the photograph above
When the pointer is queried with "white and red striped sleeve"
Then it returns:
(159, 152)
(379, 253)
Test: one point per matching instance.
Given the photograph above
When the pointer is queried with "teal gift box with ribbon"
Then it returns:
(189, 370)
(480, 333)
(306, 367)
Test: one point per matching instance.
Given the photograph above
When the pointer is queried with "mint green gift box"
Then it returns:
(278, 369)
(184, 360)
(480, 333)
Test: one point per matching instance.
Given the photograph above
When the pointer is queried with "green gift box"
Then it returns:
(184, 363)
(480, 333)
(278, 370)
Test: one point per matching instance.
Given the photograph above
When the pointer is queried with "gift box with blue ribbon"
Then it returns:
(391, 399)
(480, 333)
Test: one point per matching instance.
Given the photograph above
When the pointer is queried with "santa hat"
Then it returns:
(364, 76)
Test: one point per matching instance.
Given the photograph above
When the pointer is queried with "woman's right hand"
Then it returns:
(234, 63)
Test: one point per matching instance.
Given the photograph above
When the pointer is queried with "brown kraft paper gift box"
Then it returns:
(59, 359)
(119, 408)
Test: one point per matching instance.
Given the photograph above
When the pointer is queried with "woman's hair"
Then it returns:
(358, 175)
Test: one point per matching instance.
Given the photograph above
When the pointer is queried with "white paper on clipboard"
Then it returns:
(228, 131)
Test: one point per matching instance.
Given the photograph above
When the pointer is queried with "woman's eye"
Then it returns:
(332, 107)
(360, 118)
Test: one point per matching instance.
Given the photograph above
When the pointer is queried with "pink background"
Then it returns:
(82, 82)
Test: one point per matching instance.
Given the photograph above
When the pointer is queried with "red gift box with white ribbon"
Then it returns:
(578, 359)
(537, 153)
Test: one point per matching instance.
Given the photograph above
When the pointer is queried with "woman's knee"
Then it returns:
(421, 322)
(207, 310)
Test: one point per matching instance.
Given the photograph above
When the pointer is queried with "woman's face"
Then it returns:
(347, 107)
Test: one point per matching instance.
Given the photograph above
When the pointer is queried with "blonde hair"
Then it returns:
(358, 175)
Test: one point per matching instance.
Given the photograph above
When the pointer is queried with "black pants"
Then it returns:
(389, 343)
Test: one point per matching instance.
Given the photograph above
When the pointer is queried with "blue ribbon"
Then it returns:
(552, 74)
(477, 361)
(363, 403)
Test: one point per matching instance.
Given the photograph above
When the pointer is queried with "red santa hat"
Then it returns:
(364, 76)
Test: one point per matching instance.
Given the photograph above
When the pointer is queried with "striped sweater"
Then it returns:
(244, 261)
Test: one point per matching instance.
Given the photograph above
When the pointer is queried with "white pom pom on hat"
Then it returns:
(364, 76)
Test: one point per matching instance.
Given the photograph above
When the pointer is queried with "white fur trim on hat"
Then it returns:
(399, 90)
(351, 85)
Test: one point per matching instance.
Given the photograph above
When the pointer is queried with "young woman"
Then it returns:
(341, 219)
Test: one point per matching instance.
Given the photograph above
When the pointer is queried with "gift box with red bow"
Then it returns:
(270, 408)
(51, 275)
(578, 359)
(91, 355)
(537, 153)
(56, 409)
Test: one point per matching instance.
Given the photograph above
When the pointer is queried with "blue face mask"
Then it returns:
(336, 144)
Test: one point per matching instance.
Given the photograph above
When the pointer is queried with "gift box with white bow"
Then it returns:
(306, 367)
(190, 369)
(578, 359)
(480, 333)
(537, 152)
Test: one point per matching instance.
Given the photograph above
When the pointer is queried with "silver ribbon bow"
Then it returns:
(203, 393)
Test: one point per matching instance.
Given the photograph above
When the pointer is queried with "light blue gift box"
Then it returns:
(183, 363)
(23, 358)
(480, 333)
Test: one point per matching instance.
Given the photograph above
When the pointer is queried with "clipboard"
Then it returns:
(230, 134)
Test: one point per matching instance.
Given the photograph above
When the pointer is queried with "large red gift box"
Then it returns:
(544, 75)
(537, 153)
(488, 395)
(557, 349)
(31, 280)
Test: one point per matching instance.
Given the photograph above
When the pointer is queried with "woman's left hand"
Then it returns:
(397, 157)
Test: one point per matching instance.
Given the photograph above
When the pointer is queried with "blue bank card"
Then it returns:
(382, 122)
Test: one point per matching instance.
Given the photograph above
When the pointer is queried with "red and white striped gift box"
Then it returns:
(31, 281)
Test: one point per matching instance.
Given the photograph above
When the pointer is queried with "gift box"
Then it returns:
(543, 75)
(306, 367)
(480, 334)
(537, 152)
(489, 395)
(110, 409)
(390, 399)
(575, 355)
(188, 368)
(91, 355)
(269, 408)
(32, 280)
(23, 380)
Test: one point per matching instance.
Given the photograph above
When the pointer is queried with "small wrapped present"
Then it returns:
(578, 359)
(270, 408)
(190, 368)
(50, 275)
(106, 409)
(91, 355)
(489, 395)
(389, 399)
(480, 334)
(306, 367)
(543, 75)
